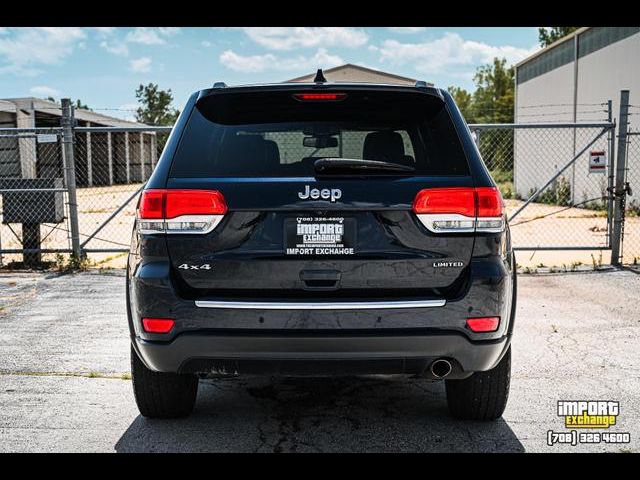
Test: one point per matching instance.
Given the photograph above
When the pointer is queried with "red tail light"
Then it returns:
(152, 204)
(460, 200)
(174, 203)
(180, 211)
(319, 97)
(483, 324)
(460, 209)
(194, 202)
(489, 202)
(157, 325)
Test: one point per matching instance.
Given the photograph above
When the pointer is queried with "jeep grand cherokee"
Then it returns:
(321, 229)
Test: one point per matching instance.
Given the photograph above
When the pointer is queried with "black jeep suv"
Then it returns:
(321, 229)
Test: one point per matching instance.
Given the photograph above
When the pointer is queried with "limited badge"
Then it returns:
(447, 264)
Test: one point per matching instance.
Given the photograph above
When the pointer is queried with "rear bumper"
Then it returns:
(319, 354)
(381, 337)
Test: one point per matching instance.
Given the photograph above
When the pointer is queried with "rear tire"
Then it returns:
(483, 395)
(162, 395)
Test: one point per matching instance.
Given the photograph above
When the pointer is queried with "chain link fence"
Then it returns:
(557, 203)
(33, 196)
(112, 166)
(631, 232)
(573, 210)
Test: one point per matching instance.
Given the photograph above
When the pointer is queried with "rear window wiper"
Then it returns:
(327, 165)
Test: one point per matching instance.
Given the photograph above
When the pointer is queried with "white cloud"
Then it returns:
(168, 31)
(269, 61)
(288, 38)
(44, 91)
(142, 64)
(451, 50)
(117, 48)
(23, 49)
(104, 31)
(407, 29)
(151, 36)
(206, 43)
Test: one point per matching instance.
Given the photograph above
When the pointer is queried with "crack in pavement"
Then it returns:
(117, 376)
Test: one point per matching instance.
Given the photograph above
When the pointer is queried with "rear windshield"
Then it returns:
(275, 135)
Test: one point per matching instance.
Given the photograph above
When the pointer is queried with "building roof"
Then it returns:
(356, 73)
(7, 107)
(53, 108)
(554, 44)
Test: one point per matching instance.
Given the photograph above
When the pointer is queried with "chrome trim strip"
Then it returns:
(320, 305)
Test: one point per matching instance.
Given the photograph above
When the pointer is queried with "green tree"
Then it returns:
(464, 100)
(548, 35)
(493, 102)
(155, 105)
(493, 99)
(77, 104)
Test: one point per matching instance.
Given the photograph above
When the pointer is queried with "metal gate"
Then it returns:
(112, 165)
(34, 196)
(630, 209)
(554, 200)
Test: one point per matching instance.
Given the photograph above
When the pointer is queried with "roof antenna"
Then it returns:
(320, 77)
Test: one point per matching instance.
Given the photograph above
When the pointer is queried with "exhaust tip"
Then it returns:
(441, 368)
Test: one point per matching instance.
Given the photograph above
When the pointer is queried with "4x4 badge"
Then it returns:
(186, 266)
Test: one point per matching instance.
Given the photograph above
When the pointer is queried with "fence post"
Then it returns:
(611, 174)
(619, 192)
(67, 122)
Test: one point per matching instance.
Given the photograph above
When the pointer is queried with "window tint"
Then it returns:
(213, 146)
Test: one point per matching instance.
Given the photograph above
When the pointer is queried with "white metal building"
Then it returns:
(570, 81)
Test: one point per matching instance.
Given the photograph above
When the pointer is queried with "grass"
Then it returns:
(596, 263)
(504, 181)
(108, 259)
(71, 263)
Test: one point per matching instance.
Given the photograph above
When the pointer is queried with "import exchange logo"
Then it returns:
(588, 414)
(583, 418)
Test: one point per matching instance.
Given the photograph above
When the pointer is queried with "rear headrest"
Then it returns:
(272, 154)
(384, 146)
(245, 152)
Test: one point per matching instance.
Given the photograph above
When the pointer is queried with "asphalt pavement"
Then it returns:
(65, 383)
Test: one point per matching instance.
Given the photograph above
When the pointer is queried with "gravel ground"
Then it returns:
(64, 383)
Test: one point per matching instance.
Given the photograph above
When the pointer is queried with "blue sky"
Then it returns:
(104, 65)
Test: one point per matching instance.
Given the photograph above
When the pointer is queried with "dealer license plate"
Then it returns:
(318, 236)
